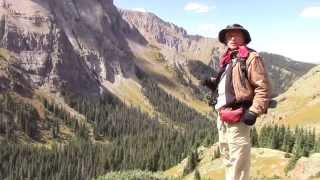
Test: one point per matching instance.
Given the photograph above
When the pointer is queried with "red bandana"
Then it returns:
(243, 53)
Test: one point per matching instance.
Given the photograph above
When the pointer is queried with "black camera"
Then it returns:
(212, 99)
(212, 84)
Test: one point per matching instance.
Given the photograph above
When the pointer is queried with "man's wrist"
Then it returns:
(253, 113)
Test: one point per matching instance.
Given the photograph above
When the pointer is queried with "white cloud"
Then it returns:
(311, 12)
(140, 9)
(196, 7)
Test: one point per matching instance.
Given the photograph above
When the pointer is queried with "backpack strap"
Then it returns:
(244, 68)
(243, 63)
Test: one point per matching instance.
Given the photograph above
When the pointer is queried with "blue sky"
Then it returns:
(287, 27)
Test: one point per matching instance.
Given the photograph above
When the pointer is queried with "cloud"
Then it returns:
(140, 9)
(311, 12)
(196, 7)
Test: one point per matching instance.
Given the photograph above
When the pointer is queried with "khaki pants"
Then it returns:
(235, 146)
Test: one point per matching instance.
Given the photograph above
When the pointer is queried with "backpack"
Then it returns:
(212, 98)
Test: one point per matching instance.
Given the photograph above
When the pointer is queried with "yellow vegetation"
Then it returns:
(300, 105)
(265, 163)
(4, 54)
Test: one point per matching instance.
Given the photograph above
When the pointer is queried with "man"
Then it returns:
(243, 94)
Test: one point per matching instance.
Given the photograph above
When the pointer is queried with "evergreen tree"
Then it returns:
(197, 175)
(254, 137)
(191, 163)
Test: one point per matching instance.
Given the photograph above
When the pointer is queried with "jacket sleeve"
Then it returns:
(259, 80)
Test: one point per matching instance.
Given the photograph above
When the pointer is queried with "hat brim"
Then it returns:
(222, 34)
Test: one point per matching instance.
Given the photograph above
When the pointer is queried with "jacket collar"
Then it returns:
(242, 52)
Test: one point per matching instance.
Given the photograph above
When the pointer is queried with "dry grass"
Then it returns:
(265, 164)
(129, 91)
(4, 54)
(300, 105)
(151, 61)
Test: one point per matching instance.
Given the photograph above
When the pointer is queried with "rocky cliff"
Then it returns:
(58, 44)
(172, 40)
(68, 45)
(92, 48)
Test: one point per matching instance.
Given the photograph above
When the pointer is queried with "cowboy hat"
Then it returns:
(245, 32)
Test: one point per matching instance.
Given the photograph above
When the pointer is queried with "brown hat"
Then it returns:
(245, 32)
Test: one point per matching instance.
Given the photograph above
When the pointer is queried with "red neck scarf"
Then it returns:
(242, 52)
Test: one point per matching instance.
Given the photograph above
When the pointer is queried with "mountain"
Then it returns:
(56, 45)
(193, 55)
(59, 44)
(174, 42)
(175, 53)
(85, 87)
(300, 105)
(73, 91)
(283, 71)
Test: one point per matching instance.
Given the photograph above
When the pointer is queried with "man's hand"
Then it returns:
(205, 82)
(210, 83)
(249, 118)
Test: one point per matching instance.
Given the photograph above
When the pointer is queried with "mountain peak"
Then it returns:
(151, 21)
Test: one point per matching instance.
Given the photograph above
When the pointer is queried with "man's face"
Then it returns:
(234, 39)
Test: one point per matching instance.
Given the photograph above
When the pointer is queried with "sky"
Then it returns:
(287, 27)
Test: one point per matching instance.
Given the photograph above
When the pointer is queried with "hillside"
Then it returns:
(265, 164)
(300, 105)
(283, 71)
(70, 84)
(86, 89)
(59, 46)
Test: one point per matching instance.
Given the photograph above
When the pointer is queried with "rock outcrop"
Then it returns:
(68, 45)
(172, 40)
(84, 46)
(306, 168)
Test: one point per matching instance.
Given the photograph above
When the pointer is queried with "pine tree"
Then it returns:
(216, 153)
(197, 175)
(191, 163)
(254, 137)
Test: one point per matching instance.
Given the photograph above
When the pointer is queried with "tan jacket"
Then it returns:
(256, 87)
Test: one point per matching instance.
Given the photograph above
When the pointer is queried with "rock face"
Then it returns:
(83, 46)
(175, 43)
(306, 168)
(73, 45)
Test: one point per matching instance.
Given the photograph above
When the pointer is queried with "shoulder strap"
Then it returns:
(244, 68)
(243, 64)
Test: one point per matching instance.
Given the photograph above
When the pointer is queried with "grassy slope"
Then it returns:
(265, 164)
(300, 105)
(134, 175)
(148, 60)
(129, 91)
